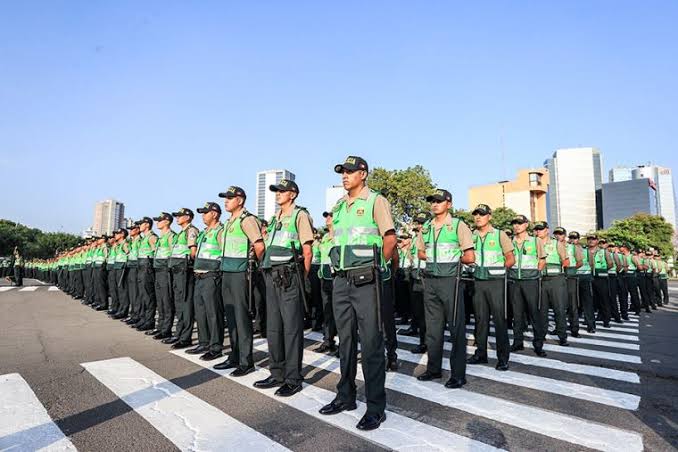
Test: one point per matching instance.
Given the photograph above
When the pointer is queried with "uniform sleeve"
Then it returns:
(250, 226)
(608, 259)
(382, 215)
(505, 242)
(577, 254)
(465, 236)
(220, 236)
(192, 237)
(419, 243)
(304, 227)
(562, 251)
(541, 252)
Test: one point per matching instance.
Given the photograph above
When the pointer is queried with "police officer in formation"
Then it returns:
(228, 276)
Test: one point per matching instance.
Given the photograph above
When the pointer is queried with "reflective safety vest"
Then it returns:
(527, 260)
(585, 270)
(181, 252)
(145, 249)
(315, 260)
(121, 256)
(208, 256)
(663, 270)
(282, 233)
(355, 234)
(163, 250)
(133, 246)
(404, 258)
(600, 263)
(325, 270)
(99, 257)
(629, 262)
(418, 265)
(443, 252)
(612, 270)
(110, 260)
(554, 266)
(572, 255)
(88, 257)
(236, 246)
(490, 261)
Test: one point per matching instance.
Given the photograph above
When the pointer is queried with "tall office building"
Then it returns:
(575, 174)
(332, 195)
(265, 206)
(623, 199)
(526, 195)
(109, 215)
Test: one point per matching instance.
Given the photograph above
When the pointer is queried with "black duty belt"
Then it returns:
(210, 274)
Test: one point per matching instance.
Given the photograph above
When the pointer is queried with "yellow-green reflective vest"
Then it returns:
(282, 234)
(236, 246)
(600, 263)
(443, 252)
(209, 251)
(325, 270)
(527, 260)
(553, 265)
(490, 261)
(145, 250)
(163, 250)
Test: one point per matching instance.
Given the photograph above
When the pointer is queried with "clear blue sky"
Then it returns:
(164, 104)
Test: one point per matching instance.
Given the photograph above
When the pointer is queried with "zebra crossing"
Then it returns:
(29, 288)
(570, 389)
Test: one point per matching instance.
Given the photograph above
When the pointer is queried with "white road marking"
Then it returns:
(187, 421)
(549, 363)
(616, 399)
(29, 289)
(555, 425)
(582, 340)
(6, 288)
(397, 433)
(24, 422)
(53, 289)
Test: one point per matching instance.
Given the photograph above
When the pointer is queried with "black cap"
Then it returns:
(210, 207)
(405, 235)
(602, 241)
(508, 232)
(234, 191)
(421, 217)
(163, 216)
(482, 209)
(285, 185)
(560, 230)
(439, 195)
(183, 211)
(352, 163)
(148, 220)
(592, 235)
(122, 231)
(539, 225)
(134, 225)
(520, 219)
(574, 235)
(327, 214)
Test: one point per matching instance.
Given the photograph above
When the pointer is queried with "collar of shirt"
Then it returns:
(364, 194)
(279, 214)
(446, 221)
(490, 229)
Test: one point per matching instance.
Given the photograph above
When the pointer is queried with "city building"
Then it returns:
(623, 199)
(620, 174)
(264, 204)
(87, 233)
(109, 215)
(526, 195)
(575, 174)
(661, 178)
(332, 195)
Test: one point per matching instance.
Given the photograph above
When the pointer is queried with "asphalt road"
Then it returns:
(107, 387)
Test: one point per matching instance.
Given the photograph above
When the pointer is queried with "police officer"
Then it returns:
(163, 277)
(132, 275)
(18, 268)
(241, 234)
(417, 288)
(121, 270)
(612, 280)
(110, 273)
(184, 249)
(326, 286)
(630, 281)
(362, 221)
(146, 275)
(494, 251)
(313, 290)
(290, 227)
(575, 258)
(664, 280)
(403, 284)
(601, 284)
(618, 287)
(99, 276)
(554, 286)
(584, 281)
(445, 243)
(209, 311)
(525, 284)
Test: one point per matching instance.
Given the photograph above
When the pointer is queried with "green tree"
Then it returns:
(405, 190)
(32, 242)
(642, 231)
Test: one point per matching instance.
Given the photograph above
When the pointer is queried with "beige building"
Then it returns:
(526, 195)
(109, 215)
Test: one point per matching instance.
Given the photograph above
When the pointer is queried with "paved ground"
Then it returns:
(71, 378)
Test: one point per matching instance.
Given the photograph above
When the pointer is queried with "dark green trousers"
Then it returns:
(554, 296)
(146, 280)
(573, 303)
(525, 300)
(122, 289)
(488, 299)
(132, 292)
(182, 286)
(209, 311)
(234, 288)
(163, 296)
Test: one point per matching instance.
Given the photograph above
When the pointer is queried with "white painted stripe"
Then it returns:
(29, 289)
(626, 327)
(53, 289)
(6, 288)
(578, 391)
(187, 421)
(397, 433)
(620, 328)
(631, 321)
(549, 423)
(549, 363)
(668, 308)
(24, 422)
(601, 333)
(581, 340)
